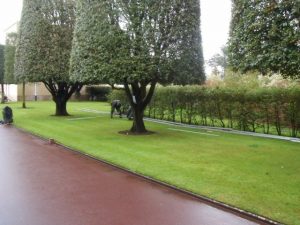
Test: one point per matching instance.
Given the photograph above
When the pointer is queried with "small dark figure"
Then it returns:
(129, 113)
(7, 115)
(116, 106)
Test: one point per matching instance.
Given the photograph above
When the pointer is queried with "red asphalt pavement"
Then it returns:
(43, 184)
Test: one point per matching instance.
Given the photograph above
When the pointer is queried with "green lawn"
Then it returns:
(256, 174)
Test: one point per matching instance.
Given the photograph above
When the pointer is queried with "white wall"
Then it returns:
(11, 91)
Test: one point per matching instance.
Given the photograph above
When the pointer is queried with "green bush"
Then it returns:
(266, 110)
(98, 93)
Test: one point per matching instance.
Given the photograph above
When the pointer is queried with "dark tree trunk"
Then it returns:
(139, 98)
(23, 96)
(61, 106)
(138, 125)
(3, 94)
(61, 92)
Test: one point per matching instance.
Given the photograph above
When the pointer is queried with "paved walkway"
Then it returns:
(43, 184)
(227, 130)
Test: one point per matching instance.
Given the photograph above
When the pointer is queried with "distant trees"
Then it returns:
(219, 62)
(9, 55)
(44, 46)
(138, 44)
(264, 36)
(2, 72)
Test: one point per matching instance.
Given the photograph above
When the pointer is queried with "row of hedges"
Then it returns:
(267, 110)
(98, 93)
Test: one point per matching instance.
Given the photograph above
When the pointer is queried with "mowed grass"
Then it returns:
(255, 174)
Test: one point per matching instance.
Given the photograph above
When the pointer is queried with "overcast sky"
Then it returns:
(215, 21)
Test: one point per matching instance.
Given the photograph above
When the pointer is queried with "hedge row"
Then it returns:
(267, 110)
(98, 93)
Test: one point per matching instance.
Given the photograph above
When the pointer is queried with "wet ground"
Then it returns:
(45, 184)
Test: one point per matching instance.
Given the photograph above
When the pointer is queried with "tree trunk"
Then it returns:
(3, 94)
(61, 93)
(139, 98)
(138, 125)
(61, 106)
(23, 96)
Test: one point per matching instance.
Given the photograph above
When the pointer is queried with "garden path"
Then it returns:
(46, 184)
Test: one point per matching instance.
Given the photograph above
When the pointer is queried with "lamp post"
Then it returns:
(35, 91)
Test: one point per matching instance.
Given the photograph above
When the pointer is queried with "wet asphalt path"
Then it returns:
(43, 184)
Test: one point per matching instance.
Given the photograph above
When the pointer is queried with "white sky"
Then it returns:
(10, 13)
(215, 18)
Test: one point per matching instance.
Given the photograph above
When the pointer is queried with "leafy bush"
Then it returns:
(98, 93)
(267, 110)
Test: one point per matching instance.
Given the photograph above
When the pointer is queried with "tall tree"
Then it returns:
(9, 55)
(189, 68)
(2, 72)
(139, 44)
(264, 36)
(44, 46)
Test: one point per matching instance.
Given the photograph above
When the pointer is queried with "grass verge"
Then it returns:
(255, 174)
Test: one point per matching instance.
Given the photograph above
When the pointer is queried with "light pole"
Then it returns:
(35, 91)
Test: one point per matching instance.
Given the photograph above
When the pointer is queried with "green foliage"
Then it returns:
(137, 41)
(219, 62)
(245, 109)
(9, 54)
(250, 80)
(1, 64)
(45, 40)
(265, 36)
(118, 95)
(44, 47)
(189, 68)
(98, 93)
(138, 44)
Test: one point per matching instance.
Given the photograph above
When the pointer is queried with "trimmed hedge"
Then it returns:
(98, 93)
(266, 110)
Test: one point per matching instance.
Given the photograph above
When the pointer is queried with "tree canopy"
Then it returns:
(219, 62)
(189, 67)
(44, 46)
(264, 36)
(137, 43)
